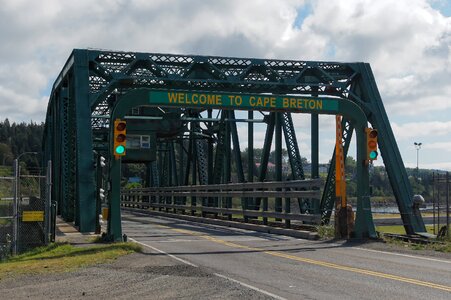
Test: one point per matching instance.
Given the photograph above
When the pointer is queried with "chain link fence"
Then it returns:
(6, 215)
(32, 212)
(25, 210)
(441, 204)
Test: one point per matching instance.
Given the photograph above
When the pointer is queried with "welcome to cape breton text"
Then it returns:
(257, 101)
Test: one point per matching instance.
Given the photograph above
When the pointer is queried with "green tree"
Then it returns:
(6, 155)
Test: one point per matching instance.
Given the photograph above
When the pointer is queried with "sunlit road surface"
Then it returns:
(289, 268)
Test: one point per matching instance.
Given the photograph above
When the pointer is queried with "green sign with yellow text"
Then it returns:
(243, 101)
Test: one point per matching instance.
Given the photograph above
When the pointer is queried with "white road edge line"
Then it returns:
(250, 287)
(405, 255)
(216, 274)
(165, 253)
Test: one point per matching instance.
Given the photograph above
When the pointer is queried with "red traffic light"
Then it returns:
(120, 138)
(373, 134)
(120, 126)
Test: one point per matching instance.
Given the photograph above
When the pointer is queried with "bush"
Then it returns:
(133, 185)
(326, 231)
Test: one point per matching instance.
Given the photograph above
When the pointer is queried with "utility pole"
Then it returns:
(418, 147)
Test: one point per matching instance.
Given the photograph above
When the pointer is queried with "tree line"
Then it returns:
(18, 138)
(421, 181)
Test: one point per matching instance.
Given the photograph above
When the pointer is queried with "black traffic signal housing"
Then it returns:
(371, 144)
(119, 138)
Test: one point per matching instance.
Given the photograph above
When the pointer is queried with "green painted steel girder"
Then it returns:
(85, 180)
(412, 220)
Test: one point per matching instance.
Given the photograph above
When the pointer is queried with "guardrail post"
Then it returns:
(265, 209)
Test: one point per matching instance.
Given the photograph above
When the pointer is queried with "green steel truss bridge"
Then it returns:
(181, 113)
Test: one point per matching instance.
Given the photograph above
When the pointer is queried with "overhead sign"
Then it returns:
(243, 101)
(33, 216)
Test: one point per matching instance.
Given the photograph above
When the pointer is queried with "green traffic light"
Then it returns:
(373, 154)
(119, 149)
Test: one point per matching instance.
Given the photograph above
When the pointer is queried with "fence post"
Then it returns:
(433, 202)
(16, 207)
(438, 203)
(48, 202)
(447, 204)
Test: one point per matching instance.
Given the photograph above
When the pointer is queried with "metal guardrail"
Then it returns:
(262, 194)
(167, 198)
(294, 184)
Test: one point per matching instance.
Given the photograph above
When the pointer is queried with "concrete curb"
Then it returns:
(302, 234)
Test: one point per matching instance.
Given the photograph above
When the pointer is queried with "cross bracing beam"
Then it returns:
(294, 155)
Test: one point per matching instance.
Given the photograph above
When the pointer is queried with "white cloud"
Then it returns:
(407, 43)
(30, 108)
(442, 146)
(421, 129)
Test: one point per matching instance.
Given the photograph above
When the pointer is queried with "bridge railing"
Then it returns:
(176, 199)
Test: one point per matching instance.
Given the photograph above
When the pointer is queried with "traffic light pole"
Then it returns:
(364, 225)
(114, 205)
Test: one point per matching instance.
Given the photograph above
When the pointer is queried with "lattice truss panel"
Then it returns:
(114, 72)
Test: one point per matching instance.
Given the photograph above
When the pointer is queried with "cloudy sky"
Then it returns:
(407, 43)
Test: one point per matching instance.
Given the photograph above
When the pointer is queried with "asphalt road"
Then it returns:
(288, 268)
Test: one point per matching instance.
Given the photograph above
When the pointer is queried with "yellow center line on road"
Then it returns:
(313, 261)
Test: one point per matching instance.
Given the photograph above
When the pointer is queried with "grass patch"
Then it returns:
(60, 257)
(443, 245)
(399, 229)
(6, 221)
(6, 171)
(396, 229)
(326, 231)
(386, 216)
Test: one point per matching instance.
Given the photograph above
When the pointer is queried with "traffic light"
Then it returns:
(119, 138)
(371, 144)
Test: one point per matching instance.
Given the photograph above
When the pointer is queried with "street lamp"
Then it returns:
(16, 200)
(418, 147)
(22, 154)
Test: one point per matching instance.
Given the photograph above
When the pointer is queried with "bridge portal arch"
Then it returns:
(204, 100)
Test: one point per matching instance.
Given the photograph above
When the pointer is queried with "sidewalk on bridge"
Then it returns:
(67, 232)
